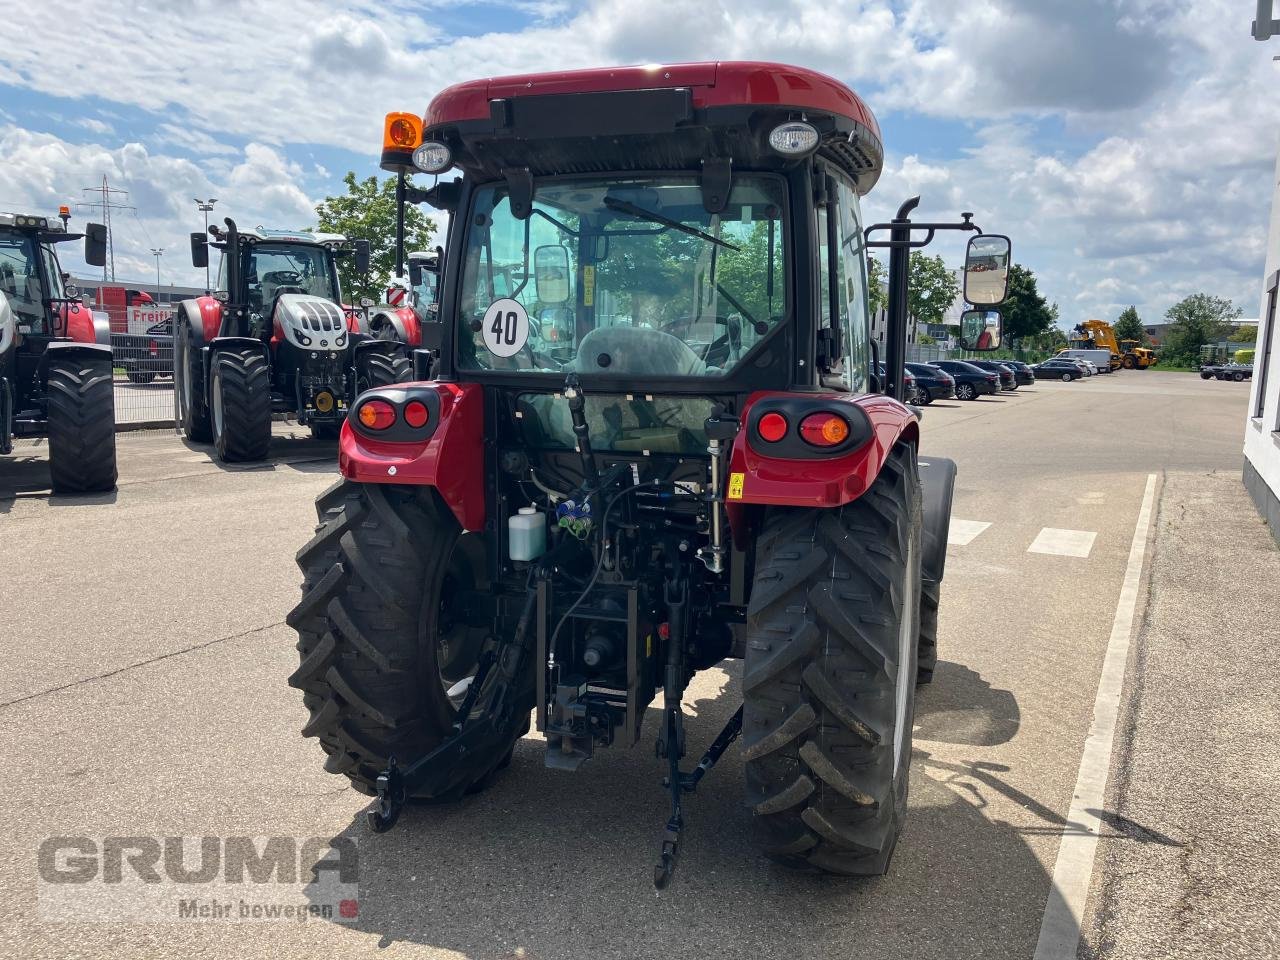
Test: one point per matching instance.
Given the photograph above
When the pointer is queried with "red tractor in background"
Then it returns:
(55, 354)
(653, 442)
(275, 339)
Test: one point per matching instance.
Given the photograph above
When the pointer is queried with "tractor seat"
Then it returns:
(638, 351)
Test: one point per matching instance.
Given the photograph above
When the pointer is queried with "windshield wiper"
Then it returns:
(640, 213)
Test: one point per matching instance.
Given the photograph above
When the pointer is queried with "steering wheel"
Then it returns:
(719, 350)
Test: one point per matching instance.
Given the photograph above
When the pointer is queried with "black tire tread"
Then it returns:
(363, 667)
(82, 424)
(244, 377)
(821, 673)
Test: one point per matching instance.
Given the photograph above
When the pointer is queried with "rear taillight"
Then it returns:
(416, 414)
(155, 349)
(824, 429)
(376, 414)
(772, 427)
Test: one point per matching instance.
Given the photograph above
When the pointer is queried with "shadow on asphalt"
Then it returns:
(960, 707)
(559, 865)
(303, 454)
(26, 477)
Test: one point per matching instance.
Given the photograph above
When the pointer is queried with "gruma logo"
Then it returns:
(210, 878)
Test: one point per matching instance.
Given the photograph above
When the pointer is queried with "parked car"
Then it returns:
(1008, 381)
(971, 382)
(145, 356)
(1022, 371)
(908, 382)
(1065, 370)
(932, 383)
(1087, 368)
(1099, 359)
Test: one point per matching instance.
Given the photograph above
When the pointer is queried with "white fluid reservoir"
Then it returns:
(527, 534)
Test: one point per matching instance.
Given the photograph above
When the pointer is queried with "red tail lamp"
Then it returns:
(772, 427)
(823, 429)
(376, 414)
(416, 414)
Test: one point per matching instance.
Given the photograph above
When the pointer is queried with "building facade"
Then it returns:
(1262, 425)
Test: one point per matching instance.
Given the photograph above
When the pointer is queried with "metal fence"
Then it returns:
(143, 365)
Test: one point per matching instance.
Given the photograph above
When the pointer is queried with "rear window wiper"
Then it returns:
(640, 213)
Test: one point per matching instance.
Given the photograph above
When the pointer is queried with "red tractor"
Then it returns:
(275, 339)
(652, 443)
(55, 355)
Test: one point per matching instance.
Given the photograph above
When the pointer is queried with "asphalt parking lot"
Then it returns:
(144, 694)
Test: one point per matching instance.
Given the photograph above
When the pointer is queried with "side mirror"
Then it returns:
(95, 244)
(362, 256)
(415, 273)
(199, 250)
(986, 270)
(551, 274)
(981, 330)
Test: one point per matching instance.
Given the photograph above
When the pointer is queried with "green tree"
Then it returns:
(1026, 313)
(931, 288)
(1129, 326)
(1244, 335)
(1195, 321)
(367, 211)
(877, 297)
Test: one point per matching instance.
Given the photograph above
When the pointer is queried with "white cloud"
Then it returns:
(41, 172)
(1154, 182)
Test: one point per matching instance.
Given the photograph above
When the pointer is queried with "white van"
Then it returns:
(1100, 358)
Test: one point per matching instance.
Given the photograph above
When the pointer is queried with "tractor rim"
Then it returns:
(217, 402)
(457, 643)
(907, 637)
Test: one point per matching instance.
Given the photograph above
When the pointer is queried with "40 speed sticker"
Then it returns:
(505, 327)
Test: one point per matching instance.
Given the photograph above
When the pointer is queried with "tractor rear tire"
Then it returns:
(193, 401)
(1128, 363)
(378, 577)
(829, 679)
(82, 424)
(382, 370)
(241, 391)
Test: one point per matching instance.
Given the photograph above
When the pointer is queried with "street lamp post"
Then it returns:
(204, 206)
(156, 252)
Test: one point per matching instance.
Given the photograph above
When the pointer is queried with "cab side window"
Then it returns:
(850, 307)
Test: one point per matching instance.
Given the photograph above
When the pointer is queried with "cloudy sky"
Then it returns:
(1128, 146)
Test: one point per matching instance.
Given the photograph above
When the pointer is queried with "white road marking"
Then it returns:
(962, 532)
(1063, 543)
(1073, 869)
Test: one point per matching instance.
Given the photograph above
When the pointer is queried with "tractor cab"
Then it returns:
(48, 336)
(652, 441)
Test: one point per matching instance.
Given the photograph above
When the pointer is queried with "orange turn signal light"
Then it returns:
(824, 429)
(403, 131)
(376, 414)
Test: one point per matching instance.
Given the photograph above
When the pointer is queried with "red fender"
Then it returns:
(77, 320)
(452, 460)
(758, 479)
(412, 329)
(210, 317)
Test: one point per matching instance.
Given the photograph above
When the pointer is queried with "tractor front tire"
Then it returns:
(927, 651)
(829, 681)
(376, 369)
(379, 578)
(82, 424)
(241, 392)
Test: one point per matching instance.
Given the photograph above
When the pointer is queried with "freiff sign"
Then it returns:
(148, 315)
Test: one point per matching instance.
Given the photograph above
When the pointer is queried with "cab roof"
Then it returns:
(490, 119)
(261, 233)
